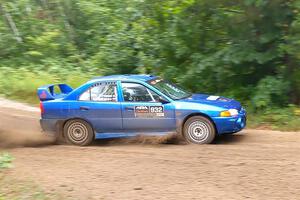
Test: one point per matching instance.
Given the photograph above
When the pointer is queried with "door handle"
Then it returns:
(84, 108)
(129, 108)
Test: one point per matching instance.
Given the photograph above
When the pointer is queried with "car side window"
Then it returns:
(134, 92)
(100, 92)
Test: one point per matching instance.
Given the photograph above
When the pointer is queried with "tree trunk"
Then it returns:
(11, 24)
(66, 22)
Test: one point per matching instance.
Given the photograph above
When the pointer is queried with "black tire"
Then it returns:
(59, 138)
(78, 132)
(199, 130)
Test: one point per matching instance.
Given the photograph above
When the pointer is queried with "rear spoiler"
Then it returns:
(48, 92)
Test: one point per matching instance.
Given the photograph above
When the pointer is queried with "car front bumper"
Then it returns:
(230, 124)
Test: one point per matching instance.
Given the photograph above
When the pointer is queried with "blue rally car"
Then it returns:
(130, 105)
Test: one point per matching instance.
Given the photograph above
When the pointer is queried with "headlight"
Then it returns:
(229, 113)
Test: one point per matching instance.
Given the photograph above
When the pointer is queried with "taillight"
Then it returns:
(42, 108)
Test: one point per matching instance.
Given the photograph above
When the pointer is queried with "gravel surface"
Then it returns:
(254, 164)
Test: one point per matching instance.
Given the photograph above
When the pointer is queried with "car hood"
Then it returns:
(214, 101)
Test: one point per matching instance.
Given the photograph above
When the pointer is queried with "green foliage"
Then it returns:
(248, 50)
(5, 161)
(270, 90)
(287, 119)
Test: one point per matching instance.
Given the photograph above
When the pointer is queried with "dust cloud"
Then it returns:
(13, 138)
(170, 139)
(20, 128)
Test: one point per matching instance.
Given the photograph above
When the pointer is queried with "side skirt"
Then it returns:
(129, 134)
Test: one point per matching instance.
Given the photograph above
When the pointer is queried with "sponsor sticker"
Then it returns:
(155, 81)
(43, 95)
(212, 98)
(149, 111)
(141, 109)
(104, 83)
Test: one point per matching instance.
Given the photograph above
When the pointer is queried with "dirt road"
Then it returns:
(250, 165)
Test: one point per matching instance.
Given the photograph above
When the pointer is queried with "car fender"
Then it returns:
(185, 110)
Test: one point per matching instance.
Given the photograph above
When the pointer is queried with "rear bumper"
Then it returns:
(230, 124)
(50, 125)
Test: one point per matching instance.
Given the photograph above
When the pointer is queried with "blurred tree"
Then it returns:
(247, 49)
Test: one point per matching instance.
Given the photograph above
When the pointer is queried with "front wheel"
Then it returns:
(199, 130)
(78, 132)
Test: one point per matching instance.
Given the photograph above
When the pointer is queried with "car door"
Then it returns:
(142, 110)
(99, 105)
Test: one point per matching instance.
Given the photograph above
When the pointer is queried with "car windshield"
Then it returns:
(169, 89)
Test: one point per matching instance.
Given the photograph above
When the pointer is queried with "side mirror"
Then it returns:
(163, 100)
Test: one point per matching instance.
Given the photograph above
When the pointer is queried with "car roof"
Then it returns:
(140, 77)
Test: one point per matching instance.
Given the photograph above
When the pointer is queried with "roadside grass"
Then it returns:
(5, 161)
(13, 189)
(283, 119)
(21, 84)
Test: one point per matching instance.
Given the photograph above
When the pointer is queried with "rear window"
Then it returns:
(104, 92)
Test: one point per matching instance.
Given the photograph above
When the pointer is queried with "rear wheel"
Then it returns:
(78, 132)
(199, 130)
